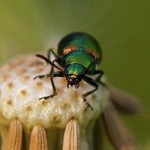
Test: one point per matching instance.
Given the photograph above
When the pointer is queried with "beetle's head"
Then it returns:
(72, 79)
(74, 74)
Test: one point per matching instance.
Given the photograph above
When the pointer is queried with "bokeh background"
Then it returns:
(121, 27)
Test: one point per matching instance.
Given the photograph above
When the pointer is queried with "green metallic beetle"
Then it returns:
(78, 54)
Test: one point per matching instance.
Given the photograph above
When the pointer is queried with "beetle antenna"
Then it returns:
(48, 61)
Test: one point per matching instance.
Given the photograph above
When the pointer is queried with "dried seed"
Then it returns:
(38, 140)
(71, 136)
(14, 137)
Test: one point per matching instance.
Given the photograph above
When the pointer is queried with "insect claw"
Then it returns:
(87, 104)
(41, 76)
(51, 96)
(41, 98)
(45, 98)
(76, 86)
(35, 78)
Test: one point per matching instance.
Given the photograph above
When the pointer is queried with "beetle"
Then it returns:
(78, 55)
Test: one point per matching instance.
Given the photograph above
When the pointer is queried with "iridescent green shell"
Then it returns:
(75, 41)
(81, 57)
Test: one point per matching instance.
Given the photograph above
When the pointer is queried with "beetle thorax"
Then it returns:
(74, 74)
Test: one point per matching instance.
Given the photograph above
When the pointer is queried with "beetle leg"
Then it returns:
(57, 59)
(42, 76)
(55, 74)
(93, 83)
(52, 67)
(100, 72)
(49, 57)
(51, 50)
(98, 79)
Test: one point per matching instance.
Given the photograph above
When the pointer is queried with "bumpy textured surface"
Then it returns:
(20, 93)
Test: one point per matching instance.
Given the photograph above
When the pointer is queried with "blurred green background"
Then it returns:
(121, 27)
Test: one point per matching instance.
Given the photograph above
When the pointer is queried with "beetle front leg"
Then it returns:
(49, 57)
(57, 59)
(42, 76)
(93, 83)
(55, 74)
(52, 67)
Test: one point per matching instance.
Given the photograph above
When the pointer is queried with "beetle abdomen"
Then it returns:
(76, 40)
